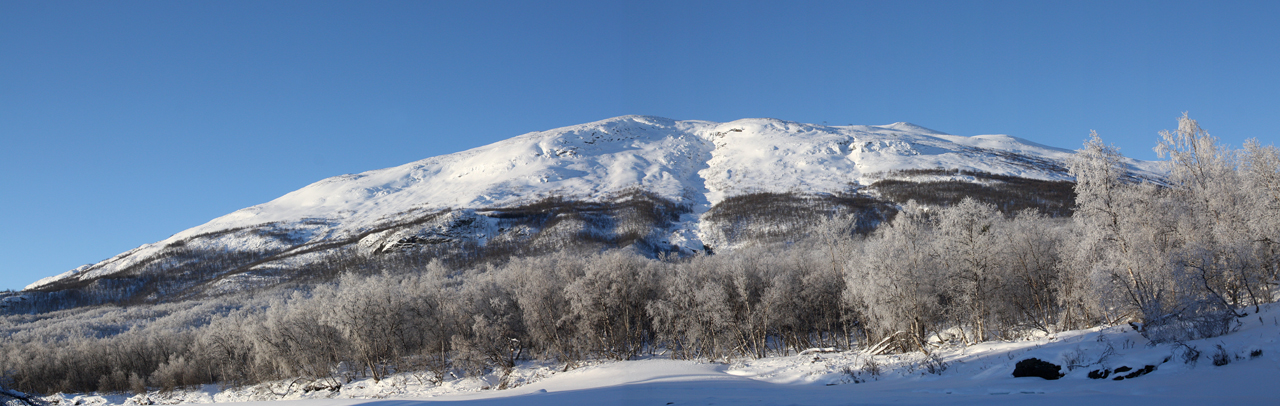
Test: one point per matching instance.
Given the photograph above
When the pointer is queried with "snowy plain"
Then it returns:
(969, 375)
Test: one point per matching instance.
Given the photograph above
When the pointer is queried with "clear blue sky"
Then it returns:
(125, 122)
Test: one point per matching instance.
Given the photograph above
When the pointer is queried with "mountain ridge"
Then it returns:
(691, 163)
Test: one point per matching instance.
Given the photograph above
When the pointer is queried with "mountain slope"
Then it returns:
(679, 170)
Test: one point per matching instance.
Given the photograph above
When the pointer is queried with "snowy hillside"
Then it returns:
(694, 165)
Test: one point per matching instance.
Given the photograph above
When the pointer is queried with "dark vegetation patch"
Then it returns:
(789, 217)
(1023, 160)
(630, 217)
(1009, 194)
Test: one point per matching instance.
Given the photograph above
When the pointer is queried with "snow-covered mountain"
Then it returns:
(691, 167)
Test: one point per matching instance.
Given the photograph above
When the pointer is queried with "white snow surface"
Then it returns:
(696, 163)
(974, 375)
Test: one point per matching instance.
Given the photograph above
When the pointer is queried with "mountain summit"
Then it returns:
(643, 181)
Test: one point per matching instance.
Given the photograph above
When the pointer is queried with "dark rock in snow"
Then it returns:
(1036, 367)
(1136, 372)
(1145, 370)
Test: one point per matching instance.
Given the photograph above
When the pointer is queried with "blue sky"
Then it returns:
(125, 122)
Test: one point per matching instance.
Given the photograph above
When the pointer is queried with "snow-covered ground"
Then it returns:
(980, 374)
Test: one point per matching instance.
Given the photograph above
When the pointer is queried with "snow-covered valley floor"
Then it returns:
(979, 374)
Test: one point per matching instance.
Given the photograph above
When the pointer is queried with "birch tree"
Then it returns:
(897, 278)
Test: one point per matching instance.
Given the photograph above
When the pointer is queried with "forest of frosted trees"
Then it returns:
(1179, 260)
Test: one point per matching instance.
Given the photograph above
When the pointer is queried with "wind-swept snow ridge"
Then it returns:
(582, 162)
(693, 163)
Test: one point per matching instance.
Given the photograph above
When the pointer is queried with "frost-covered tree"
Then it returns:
(1035, 281)
(1218, 248)
(900, 283)
(968, 246)
(290, 341)
(372, 314)
(539, 289)
(750, 283)
(490, 331)
(608, 304)
(694, 313)
(1112, 245)
(1186, 255)
(1260, 167)
(226, 349)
